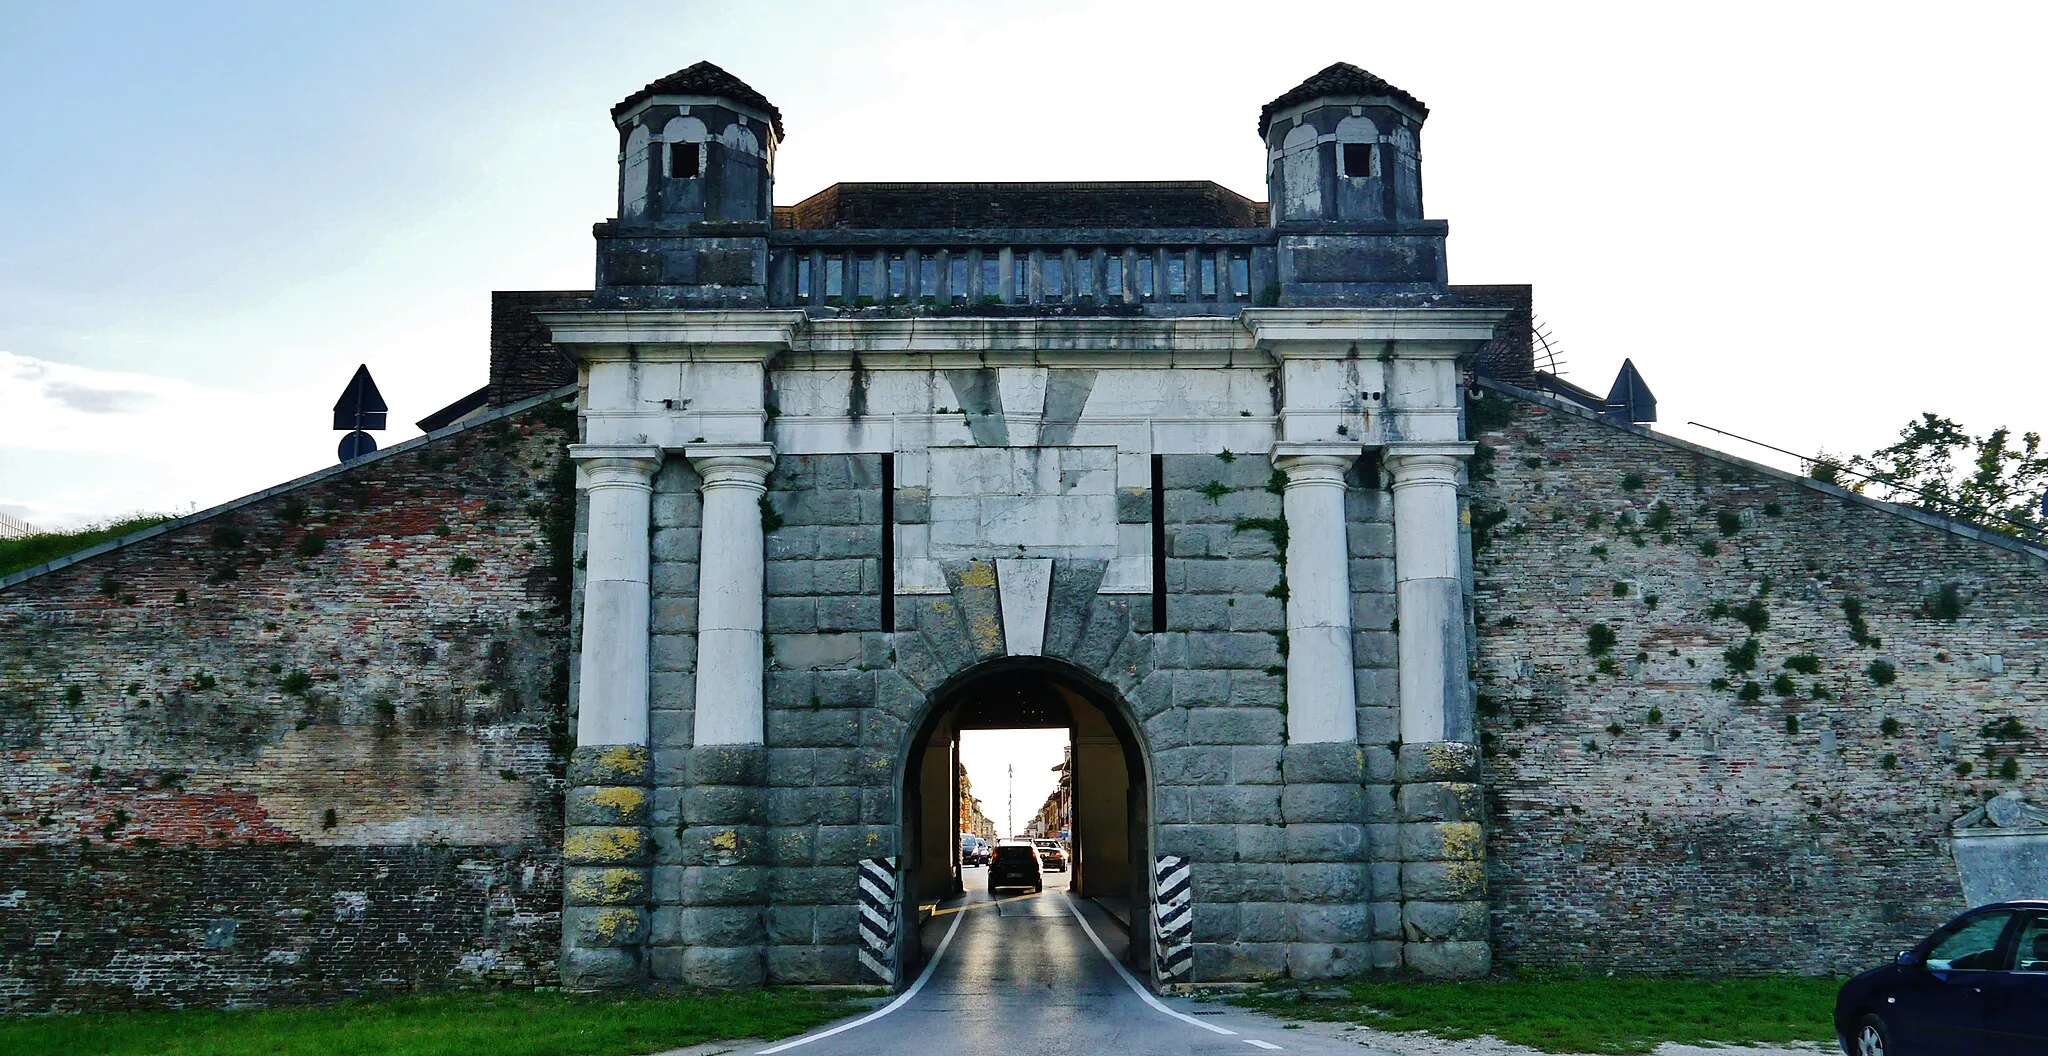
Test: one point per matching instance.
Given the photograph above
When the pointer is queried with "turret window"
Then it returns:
(685, 161)
(1356, 159)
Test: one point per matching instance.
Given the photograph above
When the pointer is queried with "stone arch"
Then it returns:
(1112, 774)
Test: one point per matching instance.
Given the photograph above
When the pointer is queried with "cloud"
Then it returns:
(78, 443)
(95, 401)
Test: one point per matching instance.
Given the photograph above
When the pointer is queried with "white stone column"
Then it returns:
(1322, 691)
(1431, 592)
(729, 591)
(612, 689)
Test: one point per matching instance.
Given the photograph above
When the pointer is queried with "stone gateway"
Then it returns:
(1379, 647)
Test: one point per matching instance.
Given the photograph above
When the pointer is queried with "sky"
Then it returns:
(999, 760)
(1805, 223)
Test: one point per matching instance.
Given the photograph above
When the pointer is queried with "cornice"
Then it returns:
(748, 336)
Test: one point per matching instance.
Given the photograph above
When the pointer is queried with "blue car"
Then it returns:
(1977, 987)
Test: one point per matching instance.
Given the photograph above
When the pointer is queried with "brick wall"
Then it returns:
(1645, 816)
(308, 744)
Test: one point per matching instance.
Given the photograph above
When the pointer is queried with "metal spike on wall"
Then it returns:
(1173, 917)
(1545, 350)
(878, 917)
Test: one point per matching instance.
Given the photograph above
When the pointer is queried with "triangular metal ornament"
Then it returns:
(1630, 400)
(361, 406)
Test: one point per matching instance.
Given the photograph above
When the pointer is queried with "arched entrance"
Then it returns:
(1110, 789)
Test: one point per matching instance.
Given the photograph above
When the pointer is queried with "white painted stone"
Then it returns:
(612, 674)
(729, 676)
(1322, 695)
(1023, 502)
(1429, 588)
(1023, 586)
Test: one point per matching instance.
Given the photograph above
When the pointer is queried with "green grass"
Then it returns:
(28, 551)
(452, 1024)
(1627, 1015)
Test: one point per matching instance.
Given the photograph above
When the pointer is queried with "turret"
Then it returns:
(698, 144)
(1343, 145)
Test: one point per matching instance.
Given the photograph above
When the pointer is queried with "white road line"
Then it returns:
(1137, 987)
(1260, 1044)
(892, 1006)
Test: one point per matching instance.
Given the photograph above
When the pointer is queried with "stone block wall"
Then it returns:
(305, 745)
(1726, 722)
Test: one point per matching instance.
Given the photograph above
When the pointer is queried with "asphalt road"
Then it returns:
(1021, 976)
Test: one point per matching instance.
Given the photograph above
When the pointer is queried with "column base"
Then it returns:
(607, 852)
(1445, 921)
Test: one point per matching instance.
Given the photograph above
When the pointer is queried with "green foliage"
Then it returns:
(227, 536)
(296, 683)
(1804, 663)
(1479, 467)
(1881, 672)
(1859, 631)
(1599, 639)
(1632, 482)
(1719, 684)
(1650, 600)
(1484, 521)
(1889, 727)
(28, 551)
(292, 509)
(1743, 657)
(74, 695)
(1749, 691)
(203, 681)
(1946, 604)
(311, 543)
(2007, 729)
(1655, 716)
(2009, 769)
(1274, 526)
(1614, 729)
(1659, 517)
(1727, 522)
(501, 1023)
(1890, 761)
(1791, 724)
(1708, 548)
(1582, 1013)
(1486, 414)
(1621, 590)
(1226, 456)
(1964, 768)
(1276, 482)
(1215, 490)
(1783, 685)
(328, 818)
(1772, 509)
(461, 565)
(1995, 479)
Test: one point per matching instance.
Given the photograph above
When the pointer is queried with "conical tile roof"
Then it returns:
(704, 79)
(1338, 78)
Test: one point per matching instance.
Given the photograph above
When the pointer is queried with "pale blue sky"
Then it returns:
(1804, 222)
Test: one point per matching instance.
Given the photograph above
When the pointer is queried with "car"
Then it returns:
(1014, 863)
(974, 851)
(1976, 987)
(1052, 855)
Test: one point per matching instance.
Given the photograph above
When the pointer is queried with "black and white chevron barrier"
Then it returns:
(1173, 917)
(878, 917)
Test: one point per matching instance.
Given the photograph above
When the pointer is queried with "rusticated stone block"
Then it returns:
(1441, 801)
(1442, 841)
(1443, 881)
(591, 927)
(1438, 761)
(610, 764)
(1448, 960)
(607, 845)
(599, 968)
(604, 886)
(1444, 921)
(607, 805)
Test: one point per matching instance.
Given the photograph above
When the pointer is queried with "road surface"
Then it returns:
(1023, 976)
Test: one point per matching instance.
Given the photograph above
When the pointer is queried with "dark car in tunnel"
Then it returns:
(1014, 864)
(1978, 986)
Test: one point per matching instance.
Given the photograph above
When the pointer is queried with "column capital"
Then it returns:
(1426, 463)
(612, 465)
(742, 465)
(1314, 463)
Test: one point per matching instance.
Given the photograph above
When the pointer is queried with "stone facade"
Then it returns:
(303, 745)
(1789, 805)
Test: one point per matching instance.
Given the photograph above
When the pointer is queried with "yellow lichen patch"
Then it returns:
(619, 799)
(727, 848)
(613, 927)
(1461, 840)
(1444, 757)
(602, 845)
(606, 887)
(987, 632)
(1471, 876)
(626, 760)
(979, 574)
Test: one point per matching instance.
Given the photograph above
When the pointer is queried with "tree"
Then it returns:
(1994, 480)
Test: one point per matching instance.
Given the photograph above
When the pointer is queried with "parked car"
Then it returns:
(1052, 855)
(1976, 987)
(1014, 864)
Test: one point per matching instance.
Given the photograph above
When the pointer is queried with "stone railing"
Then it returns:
(1176, 272)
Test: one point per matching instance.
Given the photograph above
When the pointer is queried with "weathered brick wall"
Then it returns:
(1644, 815)
(306, 746)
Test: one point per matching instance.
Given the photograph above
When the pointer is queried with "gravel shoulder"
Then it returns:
(1416, 1044)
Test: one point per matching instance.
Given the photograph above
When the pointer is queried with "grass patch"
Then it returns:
(453, 1024)
(28, 551)
(1627, 1016)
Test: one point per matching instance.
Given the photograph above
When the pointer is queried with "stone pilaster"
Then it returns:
(1322, 694)
(1322, 810)
(1442, 845)
(720, 888)
(1443, 865)
(729, 593)
(606, 851)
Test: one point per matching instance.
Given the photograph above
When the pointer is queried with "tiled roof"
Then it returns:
(1338, 78)
(704, 79)
(1023, 205)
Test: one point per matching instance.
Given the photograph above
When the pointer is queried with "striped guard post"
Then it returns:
(1173, 917)
(878, 916)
